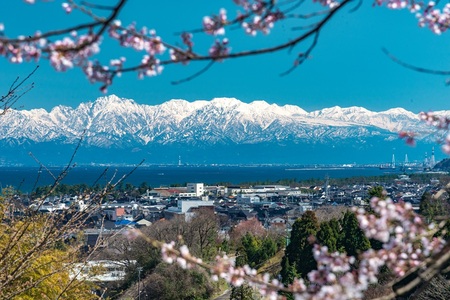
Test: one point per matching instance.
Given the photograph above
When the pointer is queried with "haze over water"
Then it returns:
(156, 176)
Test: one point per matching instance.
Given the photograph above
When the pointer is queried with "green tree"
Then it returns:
(288, 271)
(250, 247)
(299, 251)
(436, 210)
(326, 236)
(143, 187)
(268, 249)
(243, 292)
(353, 239)
(431, 207)
(376, 191)
(173, 282)
(255, 250)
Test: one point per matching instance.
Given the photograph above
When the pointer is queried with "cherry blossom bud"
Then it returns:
(67, 7)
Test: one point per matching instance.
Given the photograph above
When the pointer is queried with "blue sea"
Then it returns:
(25, 178)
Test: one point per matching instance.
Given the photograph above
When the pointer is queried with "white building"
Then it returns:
(196, 188)
(100, 270)
(247, 198)
(305, 207)
(188, 208)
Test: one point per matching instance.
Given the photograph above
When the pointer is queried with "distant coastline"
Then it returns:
(25, 178)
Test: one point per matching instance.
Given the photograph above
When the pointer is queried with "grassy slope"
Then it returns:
(273, 265)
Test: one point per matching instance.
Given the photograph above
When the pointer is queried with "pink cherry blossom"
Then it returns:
(219, 49)
(215, 24)
(67, 7)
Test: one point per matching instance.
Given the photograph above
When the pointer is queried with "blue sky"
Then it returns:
(347, 67)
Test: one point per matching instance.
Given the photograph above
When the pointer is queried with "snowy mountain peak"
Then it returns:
(113, 100)
(197, 127)
(261, 104)
(112, 120)
(399, 111)
(225, 102)
(294, 110)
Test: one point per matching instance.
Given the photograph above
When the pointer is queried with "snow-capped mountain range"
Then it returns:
(112, 123)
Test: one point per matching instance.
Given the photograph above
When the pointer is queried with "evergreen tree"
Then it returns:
(255, 250)
(243, 292)
(288, 274)
(326, 236)
(353, 239)
(249, 251)
(376, 191)
(431, 207)
(299, 251)
(267, 250)
(435, 209)
(288, 271)
(336, 227)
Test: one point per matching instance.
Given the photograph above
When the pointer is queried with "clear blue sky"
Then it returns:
(347, 67)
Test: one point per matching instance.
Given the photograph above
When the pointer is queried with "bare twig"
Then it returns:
(41, 165)
(195, 75)
(16, 91)
(101, 176)
(413, 67)
(303, 56)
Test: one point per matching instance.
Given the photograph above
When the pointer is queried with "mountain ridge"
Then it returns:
(111, 122)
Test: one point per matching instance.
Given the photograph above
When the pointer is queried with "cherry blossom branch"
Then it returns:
(220, 51)
(77, 49)
(420, 277)
(254, 16)
(222, 268)
(316, 28)
(104, 24)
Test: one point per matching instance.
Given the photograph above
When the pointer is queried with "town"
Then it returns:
(268, 203)
(276, 207)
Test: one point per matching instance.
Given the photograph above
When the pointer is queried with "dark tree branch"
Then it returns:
(413, 67)
(100, 177)
(316, 28)
(16, 91)
(37, 178)
(104, 23)
(41, 165)
(303, 56)
(97, 6)
(195, 75)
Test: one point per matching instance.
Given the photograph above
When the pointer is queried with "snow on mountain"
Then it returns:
(393, 120)
(113, 121)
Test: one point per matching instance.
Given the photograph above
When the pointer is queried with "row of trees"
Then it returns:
(342, 235)
(76, 189)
